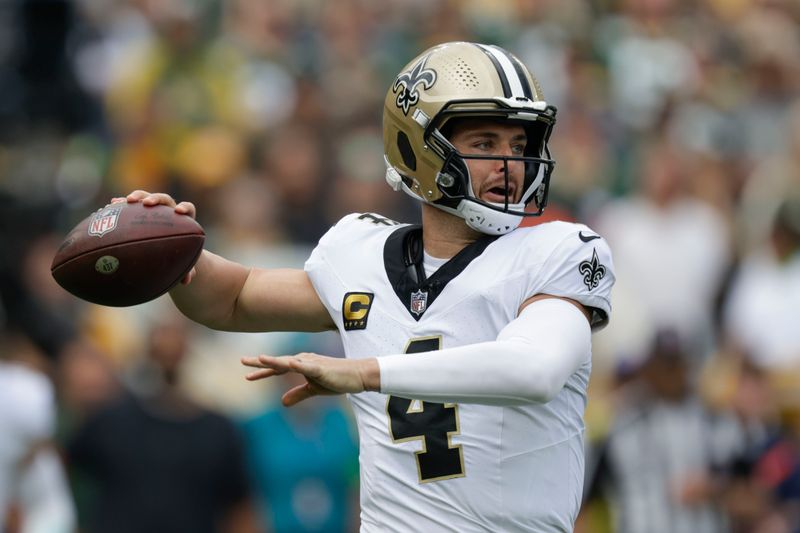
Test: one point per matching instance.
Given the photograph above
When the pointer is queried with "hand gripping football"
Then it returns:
(127, 253)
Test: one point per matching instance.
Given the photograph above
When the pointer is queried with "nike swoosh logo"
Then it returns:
(587, 238)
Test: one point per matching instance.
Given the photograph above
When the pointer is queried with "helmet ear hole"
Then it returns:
(456, 168)
(406, 151)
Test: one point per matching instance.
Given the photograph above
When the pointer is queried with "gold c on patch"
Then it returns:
(355, 310)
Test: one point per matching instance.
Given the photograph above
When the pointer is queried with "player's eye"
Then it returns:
(518, 149)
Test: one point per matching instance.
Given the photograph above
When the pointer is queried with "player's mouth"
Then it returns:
(497, 193)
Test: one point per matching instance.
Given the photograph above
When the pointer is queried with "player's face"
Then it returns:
(491, 138)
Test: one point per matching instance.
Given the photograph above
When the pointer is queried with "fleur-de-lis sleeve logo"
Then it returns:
(592, 271)
(405, 86)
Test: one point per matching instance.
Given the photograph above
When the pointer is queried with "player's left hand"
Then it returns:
(324, 375)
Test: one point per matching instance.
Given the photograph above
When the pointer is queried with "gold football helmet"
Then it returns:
(465, 80)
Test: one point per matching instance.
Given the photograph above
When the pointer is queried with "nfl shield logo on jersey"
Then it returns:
(419, 301)
(104, 220)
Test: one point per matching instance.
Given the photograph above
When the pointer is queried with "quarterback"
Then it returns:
(467, 339)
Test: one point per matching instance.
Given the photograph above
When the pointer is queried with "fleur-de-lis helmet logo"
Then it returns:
(592, 271)
(405, 86)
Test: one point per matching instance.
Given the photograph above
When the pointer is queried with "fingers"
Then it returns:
(187, 279)
(256, 362)
(158, 198)
(251, 361)
(137, 196)
(261, 374)
(281, 364)
(186, 208)
(297, 394)
(268, 367)
(302, 365)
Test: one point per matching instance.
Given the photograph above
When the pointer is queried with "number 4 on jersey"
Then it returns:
(432, 423)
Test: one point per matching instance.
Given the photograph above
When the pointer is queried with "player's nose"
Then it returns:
(500, 165)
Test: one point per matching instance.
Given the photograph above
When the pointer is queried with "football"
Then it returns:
(126, 254)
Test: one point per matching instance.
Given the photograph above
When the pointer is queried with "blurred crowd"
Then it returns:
(678, 139)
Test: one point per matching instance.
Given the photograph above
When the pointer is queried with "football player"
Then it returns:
(467, 340)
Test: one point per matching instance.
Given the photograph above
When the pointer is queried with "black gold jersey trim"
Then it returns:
(402, 257)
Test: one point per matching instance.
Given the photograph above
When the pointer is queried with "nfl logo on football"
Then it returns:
(104, 220)
(419, 301)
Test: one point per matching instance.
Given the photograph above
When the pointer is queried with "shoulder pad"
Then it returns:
(579, 266)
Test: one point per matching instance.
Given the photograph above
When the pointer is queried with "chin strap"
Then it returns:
(478, 217)
(486, 220)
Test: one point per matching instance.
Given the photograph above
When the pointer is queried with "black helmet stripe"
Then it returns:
(512, 75)
(500, 72)
(526, 87)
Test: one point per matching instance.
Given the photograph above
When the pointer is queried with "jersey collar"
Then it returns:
(402, 258)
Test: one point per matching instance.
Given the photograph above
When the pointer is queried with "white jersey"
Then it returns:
(466, 467)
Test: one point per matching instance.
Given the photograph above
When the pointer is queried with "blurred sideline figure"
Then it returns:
(661, 467)
(155, 460)
(34, 494)
(304, 464)
(763, 481)
(760, 314)
(669, 262)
